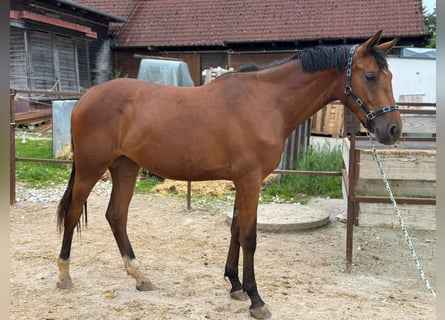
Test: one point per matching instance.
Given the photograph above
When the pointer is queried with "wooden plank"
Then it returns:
(399, 164)
(417, 124)
(41, 115)
(17, 56)
(412, 176)
(421, 217)
(400, 188)
(329, 120)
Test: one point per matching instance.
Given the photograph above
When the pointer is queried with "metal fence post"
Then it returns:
(12, 181)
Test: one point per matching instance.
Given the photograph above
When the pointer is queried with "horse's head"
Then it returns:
(368, 89)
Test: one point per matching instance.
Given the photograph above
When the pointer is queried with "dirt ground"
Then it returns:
(300, 275)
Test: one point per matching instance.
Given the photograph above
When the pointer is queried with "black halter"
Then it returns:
(370, 115)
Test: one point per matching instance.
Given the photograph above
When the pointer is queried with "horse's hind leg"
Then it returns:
(75, 199)
(124, 173)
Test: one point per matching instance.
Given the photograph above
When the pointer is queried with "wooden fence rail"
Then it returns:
(13, 124)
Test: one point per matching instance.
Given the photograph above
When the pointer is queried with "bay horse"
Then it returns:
(233, 128)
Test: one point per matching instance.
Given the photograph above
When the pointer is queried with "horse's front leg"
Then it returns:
(244, 228)
(231, 270)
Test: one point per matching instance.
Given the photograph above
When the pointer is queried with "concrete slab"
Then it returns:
(288, 217)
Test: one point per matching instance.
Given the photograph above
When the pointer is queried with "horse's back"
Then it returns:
(115, 103)
(112, 94)
(177, 132)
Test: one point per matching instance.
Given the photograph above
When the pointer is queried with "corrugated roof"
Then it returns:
(216, 22)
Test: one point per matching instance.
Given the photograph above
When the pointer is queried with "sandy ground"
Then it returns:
(300, 275)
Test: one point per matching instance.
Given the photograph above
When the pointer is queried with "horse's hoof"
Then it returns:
(260, 312)
(145, 286)
(65, 284)
(239, 295)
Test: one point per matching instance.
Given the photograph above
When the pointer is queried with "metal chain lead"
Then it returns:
(399, 217)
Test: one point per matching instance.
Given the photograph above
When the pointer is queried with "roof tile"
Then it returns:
(215, 22)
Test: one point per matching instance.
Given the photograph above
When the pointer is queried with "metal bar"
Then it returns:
(350, 201)
(294, 135)
(50, 93)
(419, 139)
(189, 195)
(44, 160)
(12, 177)
(308, 172)
(417, 111)
(354, 182)
(417, 104)
(404, 138)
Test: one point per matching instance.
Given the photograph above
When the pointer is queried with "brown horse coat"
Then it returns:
(233, 128)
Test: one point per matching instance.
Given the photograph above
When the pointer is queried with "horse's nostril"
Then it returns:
(394, 131)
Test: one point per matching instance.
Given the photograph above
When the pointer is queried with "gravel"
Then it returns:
(54, 193)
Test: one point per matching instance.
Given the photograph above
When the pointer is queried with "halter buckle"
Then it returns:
(371, 115)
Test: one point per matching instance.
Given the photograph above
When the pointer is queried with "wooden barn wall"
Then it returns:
(127, 64)
(17, 59)
(213, 60)
(39, 57)
(41, 53)
(41, 61)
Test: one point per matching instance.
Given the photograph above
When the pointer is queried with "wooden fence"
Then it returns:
(351, 170)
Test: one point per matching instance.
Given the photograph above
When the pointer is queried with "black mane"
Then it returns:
(319, 59)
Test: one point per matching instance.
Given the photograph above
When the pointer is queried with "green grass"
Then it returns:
(298, 188)
(145, 185)
(39, 175)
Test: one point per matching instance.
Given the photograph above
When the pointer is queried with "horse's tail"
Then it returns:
(65, 202)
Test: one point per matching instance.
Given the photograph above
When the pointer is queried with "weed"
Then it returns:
(36, 174)
(298, 188)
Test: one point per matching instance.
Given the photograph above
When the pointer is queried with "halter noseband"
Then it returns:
(370, 115)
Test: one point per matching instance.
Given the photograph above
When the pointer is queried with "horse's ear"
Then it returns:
(372, 42)
(387, 46)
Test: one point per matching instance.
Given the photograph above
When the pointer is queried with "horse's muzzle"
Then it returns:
(388, 135)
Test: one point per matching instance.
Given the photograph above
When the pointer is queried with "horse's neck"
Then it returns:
(299, 95)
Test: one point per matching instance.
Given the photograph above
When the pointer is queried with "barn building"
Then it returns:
(72, 45)
(233, 33)
(59, 45)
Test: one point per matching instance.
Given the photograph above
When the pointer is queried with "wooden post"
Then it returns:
(189, 195)
(12, 194)
(351, 209)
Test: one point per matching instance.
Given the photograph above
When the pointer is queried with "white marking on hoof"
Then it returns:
(142, 282)
(64, 274)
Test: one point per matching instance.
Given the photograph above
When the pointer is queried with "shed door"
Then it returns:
(42, 75)
(66, 64)
(17, 54)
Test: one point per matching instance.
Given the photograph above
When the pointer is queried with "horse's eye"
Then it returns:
(371, 77)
